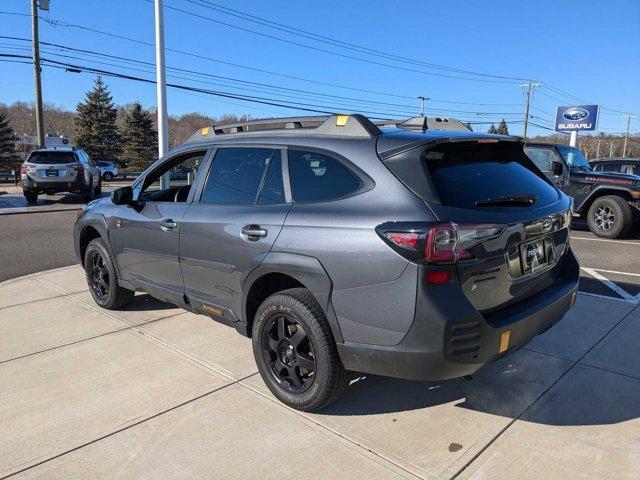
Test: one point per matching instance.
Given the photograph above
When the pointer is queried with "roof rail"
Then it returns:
(355, 125)
(426, 123)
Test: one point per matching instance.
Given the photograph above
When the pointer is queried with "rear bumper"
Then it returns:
(449, 338)
(53, 186)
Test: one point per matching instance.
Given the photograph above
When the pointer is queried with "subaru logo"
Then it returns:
(575, 114)
(546, 225)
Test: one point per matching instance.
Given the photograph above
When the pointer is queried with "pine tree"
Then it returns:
(492, 129)
(95, 124)
(139, 139)
(7, 143)
(502, 128)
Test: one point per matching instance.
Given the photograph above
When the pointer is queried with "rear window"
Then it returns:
(52, 158)
(464, 174)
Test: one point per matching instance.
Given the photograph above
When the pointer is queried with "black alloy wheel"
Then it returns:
(289, 353)
(99, 275)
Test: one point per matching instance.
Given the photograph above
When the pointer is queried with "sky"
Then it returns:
(369, 56)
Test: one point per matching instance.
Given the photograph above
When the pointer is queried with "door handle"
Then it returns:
(254, 232)
(168, 225)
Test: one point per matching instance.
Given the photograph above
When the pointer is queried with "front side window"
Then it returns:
(317, 177)
(238, 174)
(182, 171)
(542, 157)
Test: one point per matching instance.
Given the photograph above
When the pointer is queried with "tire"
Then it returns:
(610, 217)
(302, 349)
(98, 189)
(107, 294)
(108, 176)
(30, 197)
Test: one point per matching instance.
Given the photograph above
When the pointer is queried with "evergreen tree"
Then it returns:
(95, 124)
(492, 129)
(7, 143)
(139, 139)
(502, 128)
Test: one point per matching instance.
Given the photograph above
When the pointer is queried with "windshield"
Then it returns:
(574, 158)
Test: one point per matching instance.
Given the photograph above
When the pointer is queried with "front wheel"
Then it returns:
(102, 279)
(108, 176)
(31, 197)
(295, 351)
(610, 217)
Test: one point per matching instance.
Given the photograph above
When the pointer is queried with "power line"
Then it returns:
(339, 43)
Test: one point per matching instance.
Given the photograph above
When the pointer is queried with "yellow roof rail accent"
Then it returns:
(341, 120)
(204, 131)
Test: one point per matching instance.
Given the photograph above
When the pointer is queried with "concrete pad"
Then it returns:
(586, 427)
(143, 309)
(434, 428)
(620, 350)
(231, 433)
(44, 324)
(581, 328)
(217, 345)
(59, 399)
(70, 279)
(24, 290)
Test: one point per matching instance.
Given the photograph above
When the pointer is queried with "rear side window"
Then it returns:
(237, 174)
(318, 177)
(52, 158)
(466, 173)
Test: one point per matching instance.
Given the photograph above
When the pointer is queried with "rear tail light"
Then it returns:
(437, 243)
(79, 169)
(438, 276)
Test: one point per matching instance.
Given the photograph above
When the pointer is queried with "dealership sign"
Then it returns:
(577, 117)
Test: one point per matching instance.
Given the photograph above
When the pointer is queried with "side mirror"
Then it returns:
(122, 196)
(555, 167)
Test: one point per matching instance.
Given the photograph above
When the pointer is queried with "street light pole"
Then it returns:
(36, 72)
(161, 87)
(422, 99)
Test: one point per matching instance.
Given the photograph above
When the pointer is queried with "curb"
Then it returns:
(23, 210)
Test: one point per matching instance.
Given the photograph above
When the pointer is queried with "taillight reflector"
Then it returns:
(443, 276)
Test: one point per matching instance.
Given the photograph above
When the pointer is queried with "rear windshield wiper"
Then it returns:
(509, 200)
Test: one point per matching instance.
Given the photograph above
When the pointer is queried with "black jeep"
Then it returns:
(609, 201)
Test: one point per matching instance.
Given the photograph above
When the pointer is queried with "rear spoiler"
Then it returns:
(457, 139)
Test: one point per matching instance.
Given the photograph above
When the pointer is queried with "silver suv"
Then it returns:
(419, 250)
(54, 170)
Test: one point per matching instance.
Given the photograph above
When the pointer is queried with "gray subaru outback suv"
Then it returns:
(417, 250)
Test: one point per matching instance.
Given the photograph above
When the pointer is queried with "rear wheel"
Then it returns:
(30, 197)
(610, 217)
(102, 279)
(295, 351)
(87, 197)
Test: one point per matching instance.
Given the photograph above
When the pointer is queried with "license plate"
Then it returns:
(533, 256)
(52, 173)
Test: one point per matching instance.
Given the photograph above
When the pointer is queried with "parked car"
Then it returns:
(108, 170)
(338, 246)
(627, 165)
(610, 202)
(66, 169)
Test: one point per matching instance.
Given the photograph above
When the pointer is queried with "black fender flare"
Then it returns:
(596, 192)
(305, 269)
(99, 223)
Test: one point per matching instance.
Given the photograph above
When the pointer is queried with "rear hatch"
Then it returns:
(53, 166)
(507, 226)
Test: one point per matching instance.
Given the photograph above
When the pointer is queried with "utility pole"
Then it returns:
(611, 149)
(598, 148)
(527, 92)
(161, 87)
(422, 99)
(36, 72)
(626, 137)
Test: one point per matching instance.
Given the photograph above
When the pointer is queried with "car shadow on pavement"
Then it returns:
(498, 389)
(145, 302)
